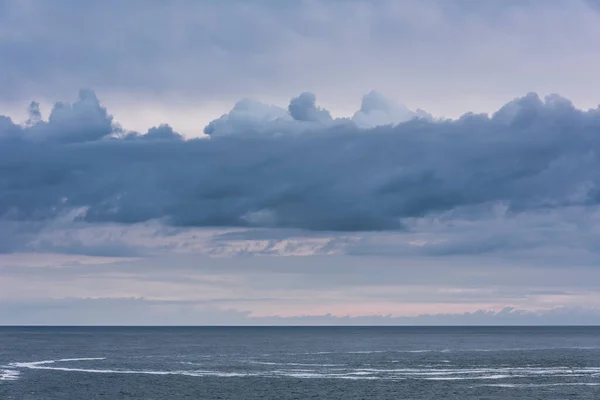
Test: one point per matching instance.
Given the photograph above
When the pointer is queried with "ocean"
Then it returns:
(243, 363)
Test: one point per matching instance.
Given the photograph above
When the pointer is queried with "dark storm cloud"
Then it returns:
(301, 169)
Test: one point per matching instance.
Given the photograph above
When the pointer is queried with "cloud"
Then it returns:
(446, 55)
(308, 172)
(550, 237)
(83, 121)
(555, 235)
(304, 108)
(114, 311)
(193, 286)
(162, 132)
(304, 175)
(507, 317)
(311, 284)
(140, 311)
(377, 110)
(248, 116)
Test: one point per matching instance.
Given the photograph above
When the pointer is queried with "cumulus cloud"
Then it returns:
(249, 116)
(83, 121)
(162, 132)
(304, 108)
(377, 110)
(315, 173)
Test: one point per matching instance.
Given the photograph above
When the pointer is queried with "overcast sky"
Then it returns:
(309, 162)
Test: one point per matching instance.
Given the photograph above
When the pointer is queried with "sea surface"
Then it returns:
(46, 363)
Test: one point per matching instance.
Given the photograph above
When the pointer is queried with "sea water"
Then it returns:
(348, 363)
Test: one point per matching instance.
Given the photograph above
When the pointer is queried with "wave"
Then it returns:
(445, 350)
(468, 378)
(320, 371)
(43, 365)
(295, 364)
(40, 364)
(537, 385)
(9, 375)
(317, 353)
(273, 374)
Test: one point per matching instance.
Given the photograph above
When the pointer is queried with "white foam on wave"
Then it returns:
(318, 371)
(537, 385)
(468, 378)
(475, 350)
(366, 352)
(294, 364)
(458, 371)
(445, 350)
(9, 375)
(221, 374)
(197, 373)
(525, 349)
(315, 375)
(41, 364)
(50, 366)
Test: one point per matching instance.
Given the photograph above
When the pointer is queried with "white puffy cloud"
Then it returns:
(377, 110)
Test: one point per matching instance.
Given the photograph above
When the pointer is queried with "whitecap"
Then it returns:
(315, 375)
(294, 364)
(9, 375)
(466, 378)
(538, 385)
(40, 364)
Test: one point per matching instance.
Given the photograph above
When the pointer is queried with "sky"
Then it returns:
(315, 162)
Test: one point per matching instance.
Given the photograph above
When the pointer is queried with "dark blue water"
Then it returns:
(300, 363)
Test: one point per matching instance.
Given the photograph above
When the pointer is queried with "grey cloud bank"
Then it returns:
(265, 166)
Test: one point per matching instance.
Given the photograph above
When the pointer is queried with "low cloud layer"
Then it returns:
(404, 285)
(194, 276)
(266, 166)
(138, 311)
